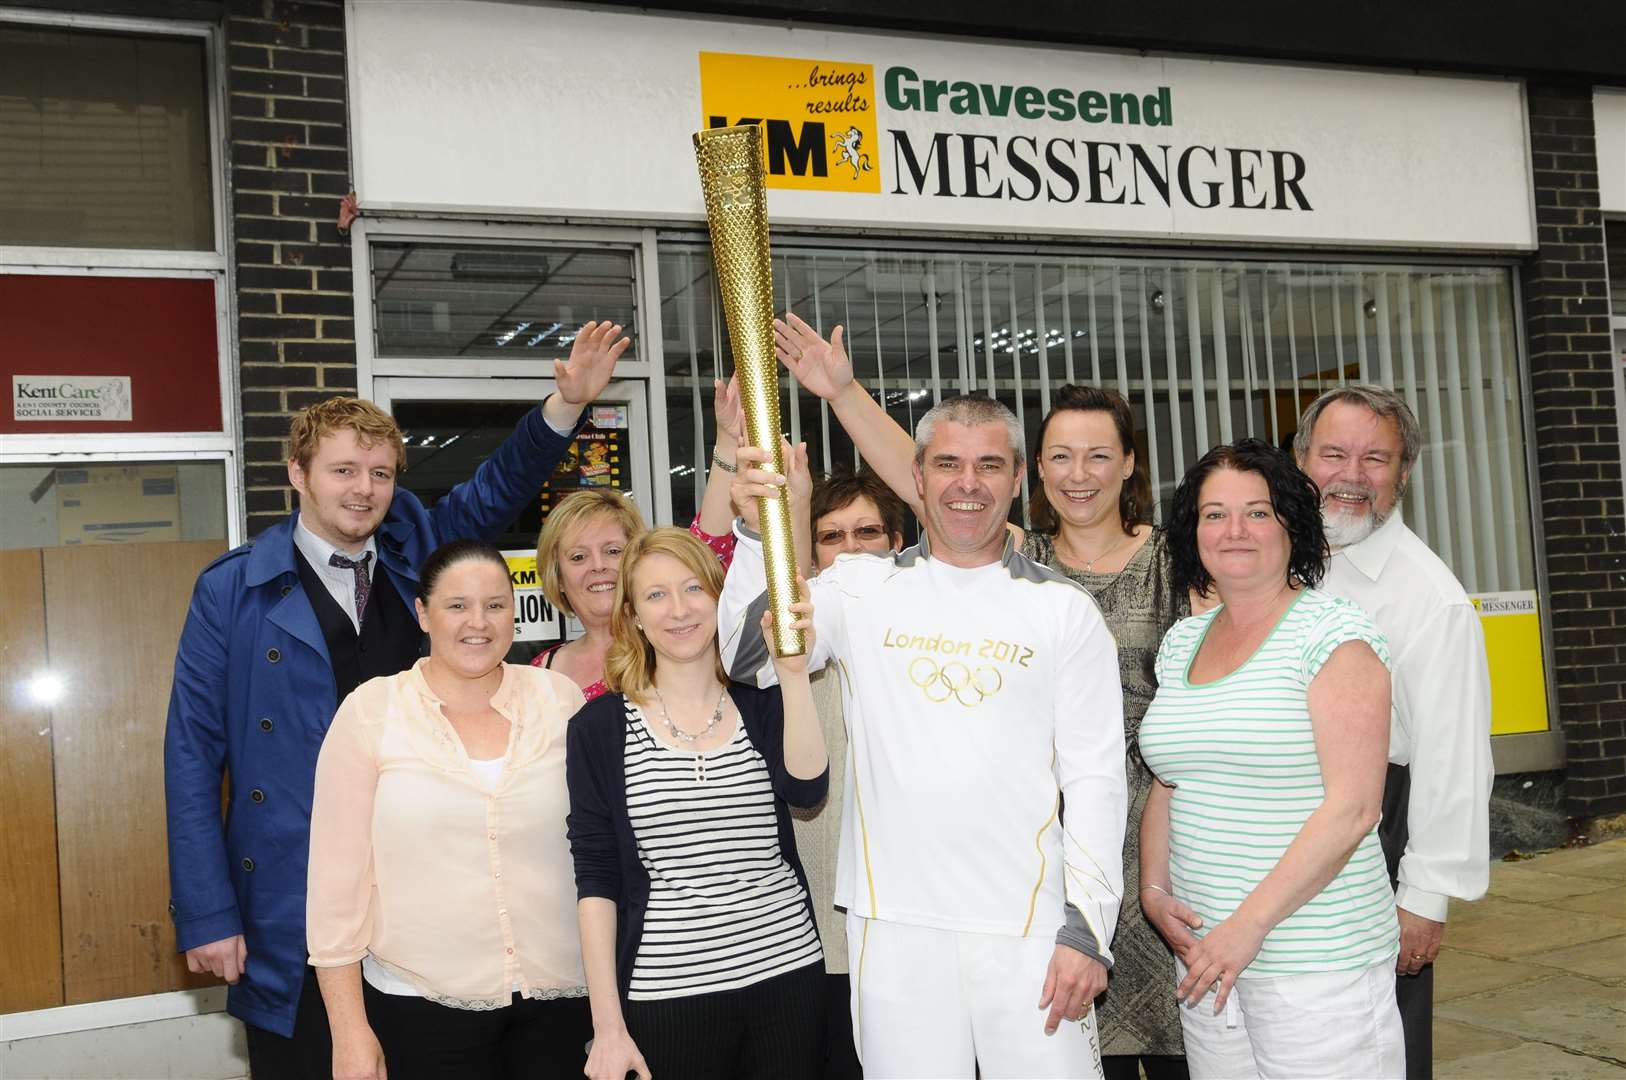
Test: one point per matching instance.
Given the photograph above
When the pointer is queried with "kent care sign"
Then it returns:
(817, 117)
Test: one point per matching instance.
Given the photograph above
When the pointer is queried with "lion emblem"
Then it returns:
(848, 151)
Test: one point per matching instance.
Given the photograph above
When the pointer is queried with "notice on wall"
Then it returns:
(534, 618)
(45, 398)
(118, 504)
(597, 459)
(1513, 647)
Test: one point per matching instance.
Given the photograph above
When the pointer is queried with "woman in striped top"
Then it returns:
(1259, 854)
(698, 936)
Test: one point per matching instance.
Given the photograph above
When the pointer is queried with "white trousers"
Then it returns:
(946, 1004)
(1340, 1025)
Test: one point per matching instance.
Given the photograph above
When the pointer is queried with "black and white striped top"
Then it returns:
(725, 907)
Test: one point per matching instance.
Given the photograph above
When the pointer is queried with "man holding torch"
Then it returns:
(981, 691)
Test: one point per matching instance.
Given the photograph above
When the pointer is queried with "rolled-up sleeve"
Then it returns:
(339, 897)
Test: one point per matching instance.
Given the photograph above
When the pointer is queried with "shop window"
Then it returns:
(104, 140)
(1205, 351)
(512, 302)
(97, 563)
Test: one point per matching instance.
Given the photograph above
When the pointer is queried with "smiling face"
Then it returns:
(469, 617)
(854, 528)
(589, 564)
(1083, 466)
(1355, 459)
(678, 615)
(346, 490)
(966, 480)
(1240, 540)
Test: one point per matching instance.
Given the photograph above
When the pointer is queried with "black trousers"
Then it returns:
(1413, 993)
(308, 1054)
(1157, 1067)
(531, 1039)
(840, 1053)
(771, 1030)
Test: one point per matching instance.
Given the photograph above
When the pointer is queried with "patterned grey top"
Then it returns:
(1138, 1014)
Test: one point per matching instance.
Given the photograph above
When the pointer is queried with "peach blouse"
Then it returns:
(464, 893)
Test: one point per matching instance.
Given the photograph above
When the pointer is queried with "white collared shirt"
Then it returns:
(1440, 725)
(340, 581)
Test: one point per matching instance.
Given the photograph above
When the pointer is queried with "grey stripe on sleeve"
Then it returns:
(752, 653)
(1075, 933)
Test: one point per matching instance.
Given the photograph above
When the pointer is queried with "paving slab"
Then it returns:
(1453, 1040)
(1610, 902)
(1607, 860)
(1568, 1010)
(1459, 974)
(1528, 1061)
(1595, 959)
(1516, 881)
(1508, 929)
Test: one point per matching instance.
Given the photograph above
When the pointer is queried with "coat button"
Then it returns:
(273, 655)
(248, 864)
(172, 907)
(265, 723)
(286, 589)
(257, 795)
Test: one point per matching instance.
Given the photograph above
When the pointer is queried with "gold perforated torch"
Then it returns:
(730, 162)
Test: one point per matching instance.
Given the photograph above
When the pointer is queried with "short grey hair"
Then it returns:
(969, 411)
(1381, 400)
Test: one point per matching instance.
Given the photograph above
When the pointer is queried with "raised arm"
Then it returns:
(716, 508)
(487, 503)
(1349, 714)
(824, 369)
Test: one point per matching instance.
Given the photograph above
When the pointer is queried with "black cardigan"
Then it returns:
(601, 840)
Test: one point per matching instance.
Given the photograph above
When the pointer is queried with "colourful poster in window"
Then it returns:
(1513, 646)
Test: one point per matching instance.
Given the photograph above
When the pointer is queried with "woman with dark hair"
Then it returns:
(698, 936)
(1091, 514)
(1268, 736)
(440, 913)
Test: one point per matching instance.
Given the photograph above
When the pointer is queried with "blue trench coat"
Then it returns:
(253, 697)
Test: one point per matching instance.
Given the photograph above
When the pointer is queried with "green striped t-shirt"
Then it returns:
(1241, 756)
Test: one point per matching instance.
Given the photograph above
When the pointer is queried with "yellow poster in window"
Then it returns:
(1513, 646)
(817, 116)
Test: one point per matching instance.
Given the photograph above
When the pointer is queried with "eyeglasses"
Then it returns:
(864, 534)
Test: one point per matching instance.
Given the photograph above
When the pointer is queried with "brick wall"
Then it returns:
(1577, 437)
(289, 167)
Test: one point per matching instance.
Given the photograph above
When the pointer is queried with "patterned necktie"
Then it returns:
(364, 584)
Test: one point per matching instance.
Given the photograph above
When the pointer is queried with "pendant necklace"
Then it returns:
(679, 734)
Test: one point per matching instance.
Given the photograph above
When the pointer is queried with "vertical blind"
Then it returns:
(1205, 352)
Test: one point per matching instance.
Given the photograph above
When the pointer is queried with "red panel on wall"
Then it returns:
(83, 334)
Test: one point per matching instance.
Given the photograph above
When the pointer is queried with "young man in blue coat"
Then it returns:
(279, 631)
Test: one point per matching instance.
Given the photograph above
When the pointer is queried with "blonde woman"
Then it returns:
(578, 555)
(698, 936)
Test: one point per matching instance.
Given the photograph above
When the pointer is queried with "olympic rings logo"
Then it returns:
(970, 687)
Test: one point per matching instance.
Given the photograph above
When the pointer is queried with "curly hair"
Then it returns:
(1293, 496)
(1135, 498)
(371, 424)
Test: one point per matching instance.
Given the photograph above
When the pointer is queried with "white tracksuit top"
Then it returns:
(977, 700)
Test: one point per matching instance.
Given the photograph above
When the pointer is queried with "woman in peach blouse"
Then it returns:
(441, 912)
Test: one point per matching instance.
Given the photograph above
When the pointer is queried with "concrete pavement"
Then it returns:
(1531, 984)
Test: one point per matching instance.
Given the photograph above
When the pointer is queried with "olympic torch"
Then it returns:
(730, 162)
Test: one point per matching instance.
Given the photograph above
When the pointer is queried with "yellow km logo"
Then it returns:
(817, 117)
